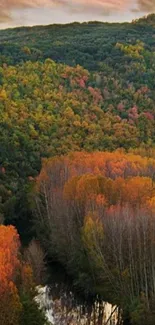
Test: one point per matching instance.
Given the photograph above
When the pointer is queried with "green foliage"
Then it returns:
(141, 312)
(64, 88)
(31, 314)
(87, 44)
(48, 108)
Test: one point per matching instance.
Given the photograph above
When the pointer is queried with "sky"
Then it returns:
(42, 12)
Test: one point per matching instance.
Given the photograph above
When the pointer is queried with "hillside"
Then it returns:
(48, 108)
(77, 139)
(88, 44)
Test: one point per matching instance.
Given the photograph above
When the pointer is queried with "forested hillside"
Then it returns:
(88, 44)
(49, 109)
(86, 88)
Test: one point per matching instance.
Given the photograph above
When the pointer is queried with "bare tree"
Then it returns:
(35, 256)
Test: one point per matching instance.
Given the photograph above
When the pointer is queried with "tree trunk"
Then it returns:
(100, 316)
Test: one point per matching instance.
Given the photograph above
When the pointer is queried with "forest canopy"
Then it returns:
(94, 212)
(77, 160)
(48, 109)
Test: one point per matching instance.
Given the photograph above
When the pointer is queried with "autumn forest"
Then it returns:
(77, 167)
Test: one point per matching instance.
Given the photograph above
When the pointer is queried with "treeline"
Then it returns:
(95, 215)
(88, 44)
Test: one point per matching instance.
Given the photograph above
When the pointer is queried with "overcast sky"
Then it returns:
(34, 12)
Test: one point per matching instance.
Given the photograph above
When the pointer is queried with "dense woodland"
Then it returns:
(95, 213)
(77, 126)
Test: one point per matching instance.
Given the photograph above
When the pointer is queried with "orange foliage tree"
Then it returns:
(100, 205)
(10, 306)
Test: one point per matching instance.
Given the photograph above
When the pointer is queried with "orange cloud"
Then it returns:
(146, 5)
(101, 7)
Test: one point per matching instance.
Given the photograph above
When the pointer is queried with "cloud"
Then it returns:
(146, 5)
(7, 6)
(100, 7)
(94, 6)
